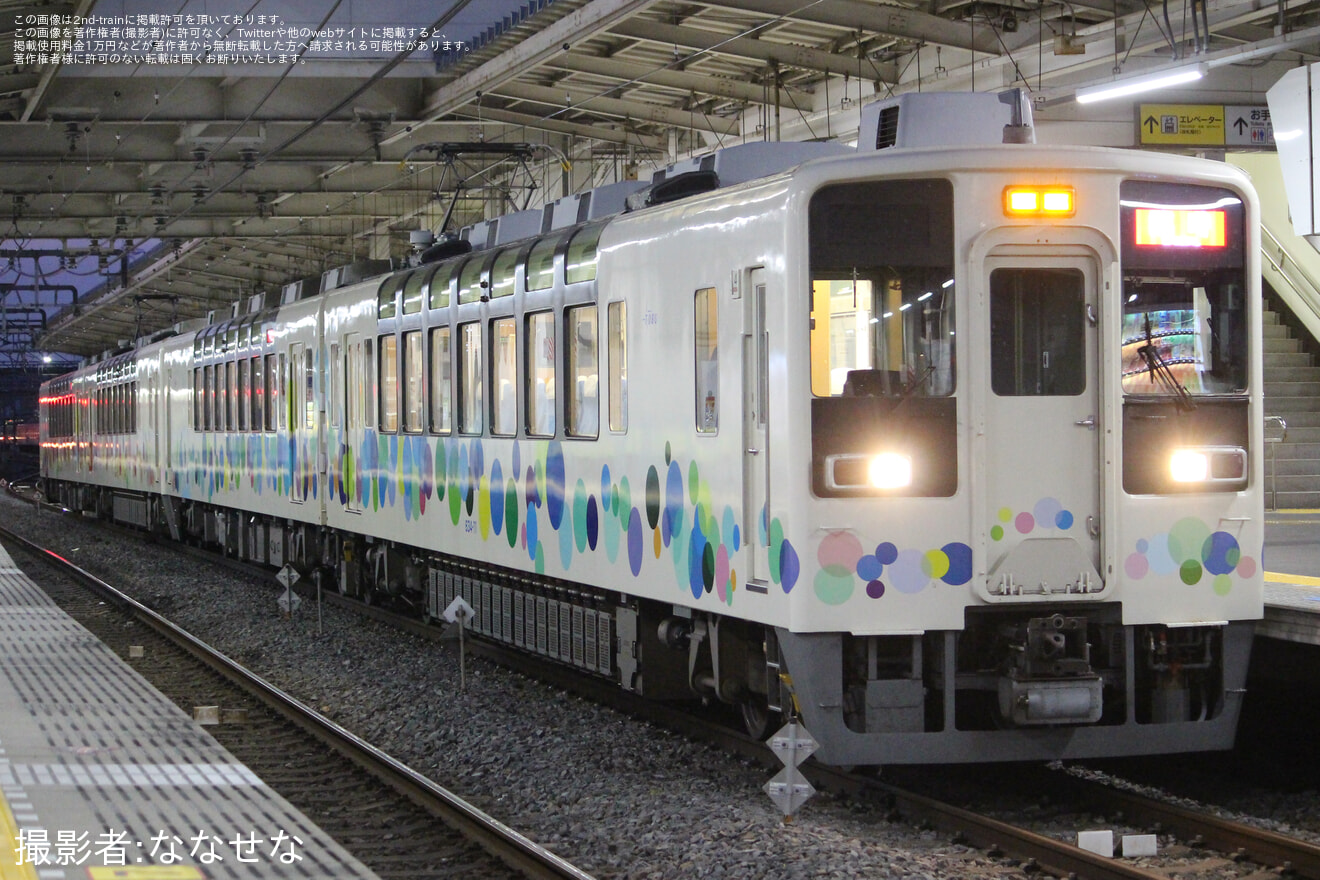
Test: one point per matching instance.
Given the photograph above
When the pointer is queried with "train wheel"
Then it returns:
(757, 717)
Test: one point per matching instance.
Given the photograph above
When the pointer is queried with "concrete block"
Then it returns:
(1099, 842)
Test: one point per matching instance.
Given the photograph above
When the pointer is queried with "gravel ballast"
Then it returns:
(616, 796)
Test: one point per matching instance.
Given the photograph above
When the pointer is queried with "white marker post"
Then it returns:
(288, 600)
(460, 612)
(790, 789)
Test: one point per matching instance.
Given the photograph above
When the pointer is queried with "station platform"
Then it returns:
(1292, 609)
(101, 776)
(1292, 590)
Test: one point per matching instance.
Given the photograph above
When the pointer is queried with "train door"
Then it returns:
(1041, 465)
(353, 403)
(162, 399)
(294, 403)
(756, 402)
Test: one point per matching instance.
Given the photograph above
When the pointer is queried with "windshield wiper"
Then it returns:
(1160, 372)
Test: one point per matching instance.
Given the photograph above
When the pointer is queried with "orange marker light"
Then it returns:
(1177, 228)
(1039, 201)
(1023, 201)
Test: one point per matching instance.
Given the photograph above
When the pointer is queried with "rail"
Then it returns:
(516, 850)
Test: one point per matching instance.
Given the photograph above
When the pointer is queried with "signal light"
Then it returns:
(1040, 201)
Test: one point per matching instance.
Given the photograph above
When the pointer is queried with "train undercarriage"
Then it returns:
(1021, 683)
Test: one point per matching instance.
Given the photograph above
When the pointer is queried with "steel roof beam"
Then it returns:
(719, 87)
(896, 21)
(801, 57)
(559, 126)
(638, 110)
(575, 27)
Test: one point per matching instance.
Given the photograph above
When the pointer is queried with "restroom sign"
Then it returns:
(1248, 126)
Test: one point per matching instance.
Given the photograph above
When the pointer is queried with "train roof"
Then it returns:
(914, 120)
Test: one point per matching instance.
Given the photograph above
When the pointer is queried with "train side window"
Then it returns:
(336, 379)
(582, 413)
(291, 396)
(441, 381)
(617, 360)
(208, 395)
(412, 381)
(282, 389)
(707, 361)
(309, 389)
(244, 394)
(385, 307)
(235, 400)
(540, 269)
(199, 395)
(502, 273)
(256, 394)
(540, 391)
(133, 406)
(368, 384)
(504, 377)
(272, 397)
(414, 289)
(438, 289)
(469, 281)
(389, 383)
(221, 398)
(1038, 324)
(352, 381)
(580, 261)
(225, 418)
(469, 379)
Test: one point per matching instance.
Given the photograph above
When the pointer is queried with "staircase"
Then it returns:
(1292, 392)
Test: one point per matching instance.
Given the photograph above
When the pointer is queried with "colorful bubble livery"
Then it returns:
(821, 429)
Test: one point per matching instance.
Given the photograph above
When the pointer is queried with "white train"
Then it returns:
(953, 450)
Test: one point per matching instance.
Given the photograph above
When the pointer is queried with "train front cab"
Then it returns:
(1050, 469)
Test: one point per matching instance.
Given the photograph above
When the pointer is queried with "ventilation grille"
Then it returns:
(886, 133)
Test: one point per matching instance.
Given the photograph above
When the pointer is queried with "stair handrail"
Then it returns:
(1303, 294)
(1270, 443)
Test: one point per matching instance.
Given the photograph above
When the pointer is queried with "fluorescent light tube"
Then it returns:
(1146, 82)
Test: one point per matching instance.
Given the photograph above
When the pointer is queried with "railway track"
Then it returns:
(381, 810)
(1032, 851)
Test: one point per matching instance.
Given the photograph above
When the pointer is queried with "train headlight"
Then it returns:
(1189, 466)
(890, 470)
(1209, 464)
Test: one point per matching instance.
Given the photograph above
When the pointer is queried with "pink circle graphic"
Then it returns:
(841, 549)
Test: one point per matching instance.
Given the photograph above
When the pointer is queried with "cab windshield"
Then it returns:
(882, 319)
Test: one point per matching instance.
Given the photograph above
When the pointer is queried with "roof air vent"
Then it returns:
(671, 189)
(886, 134)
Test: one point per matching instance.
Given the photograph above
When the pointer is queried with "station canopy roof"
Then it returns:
(222, 154)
